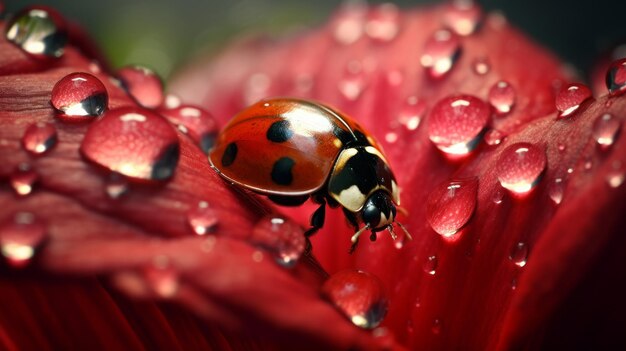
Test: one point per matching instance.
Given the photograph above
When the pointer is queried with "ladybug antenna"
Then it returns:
(356, 235)
(392, 232)
(406, 232)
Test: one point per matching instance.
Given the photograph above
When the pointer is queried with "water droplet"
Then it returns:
(436, 328)
(256, 88)
(349, 22)
(20, 236)
(519, 254)
(116, 186)
(202, 219)
(162, 277)
(605, 130)
(520, 167)
(513, 284)
(451, 205)
(498, 195)
(134, 142)
(462, 16)
(494, 137)
(411, 113)
(568, 100)
(39, 138)
(555, 191)
(39, 31)
(143, 84)
(588, 164)
(23, 179)
(284, 238)
(383, 22)
(561, 147)
(616, 176)
(430, 265)
(616, 77)
(441, 51)
(358, 295)
(502, 97)
(456, 123)
(172, 101)
(353, 83)
(481, 66)
(257, 256)
(79, 96)
(199, 123)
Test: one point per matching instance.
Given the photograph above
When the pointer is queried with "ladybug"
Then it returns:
(292, 150)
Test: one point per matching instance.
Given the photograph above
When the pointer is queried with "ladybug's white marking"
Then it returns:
(395, 192)
(351, 198)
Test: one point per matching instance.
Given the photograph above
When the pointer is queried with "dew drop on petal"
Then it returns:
(605, 130)
(519, 254)
(353, 83)
(555, 191)
(20, 237)
(411, 113)
(561, 147)
(116, 186)
(615, 177)
(23, 179)
(282, 237)
(199, 124)
(502, 97)
(134, 142)
(494, 137)
(463, 16)
(39, 138)
(349, 22)
(498, 195)
(39, 31)
(441, 52)
(568, 100)
(436, 327)
(520, 167)
(430, 265)
(456, 123)
(171, 101)
(481, 66)
(256, 88)
(383, 22)
(451, 205)
(143, 84)
(79, 96)
(616, 77)
(202, 218)
(360, 296)
(162, 277)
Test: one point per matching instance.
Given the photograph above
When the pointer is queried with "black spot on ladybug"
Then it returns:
(279, 131)
(229, 155)
(281, 171)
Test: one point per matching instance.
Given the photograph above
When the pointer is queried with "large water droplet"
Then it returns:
(519, 254)
(451, 205)
(79, 96)
(23, 179)
(463, 16)
(162, 277)
(441, 51)
(616, 77)
(555, 191)
(134, 142)
(383, 22)
(39, 31)
(569, 99)
(502, 97)
(202, 218)
(455, 123)
(605, 130)
(143, 84)
(284, 238)
(39, 138)
(20, 236)
(520, 167)
(349, 22)
(358, 295)
(430, 265)
(199, 124)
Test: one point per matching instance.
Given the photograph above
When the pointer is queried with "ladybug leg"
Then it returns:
(317, 219)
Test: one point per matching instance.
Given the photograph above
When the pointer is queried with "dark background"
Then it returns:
(163, 34)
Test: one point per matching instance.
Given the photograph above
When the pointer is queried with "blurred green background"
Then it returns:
(163, 34)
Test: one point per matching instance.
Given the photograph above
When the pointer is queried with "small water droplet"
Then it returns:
(605, 130)
(498, 195)
(116, 186)
(561, 147)
(513, 284)
(353, 83)
(172, 101)
(555, 191)
(519, 254)
(162, 277)
(143, 84)
(383, 22)
(257, 256)
(284, 238)
(463, 16)
(199, 123)
(616, 176)
(360, 296)
(520, 167)
(494, 137)
(412, 112)
(79, 96)
(134, 142)
(39, 31)
(588, 164)
(202, 219)
(349, 22)
(430, 265)
(569, 99)
(39, 138)
(502, 97)
(23, 179)
(456, 123)
(20, 237)
(391, 137)
(616, 77)
(436, 327)
(481, 66)
(256, 88)
(451, 205)
(441, 52)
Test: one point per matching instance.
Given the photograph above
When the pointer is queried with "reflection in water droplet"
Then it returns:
(441, 52)
(134, 142)
(143, 84)
(358, 295)
(430, 265)
(481, 66)
(605, 130)
(116, 186)
(569, 99)
(39, 138)
(20, 237)
(162, 277)
(556, 191)
(520, 167)
(502, 97)
(616, 77)
(283, 238)
(456, 123)
(462, 16)
(519, 254)
(23, 179)
(202, 219)
(198, 123)
(383, 22)
(451, 205)
(494, 137)
(39, 31)
(79, 96)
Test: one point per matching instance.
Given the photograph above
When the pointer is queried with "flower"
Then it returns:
(134, 241)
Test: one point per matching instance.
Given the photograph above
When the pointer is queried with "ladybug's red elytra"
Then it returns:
(290, 150)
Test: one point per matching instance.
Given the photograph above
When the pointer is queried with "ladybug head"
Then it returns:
(379, 211)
